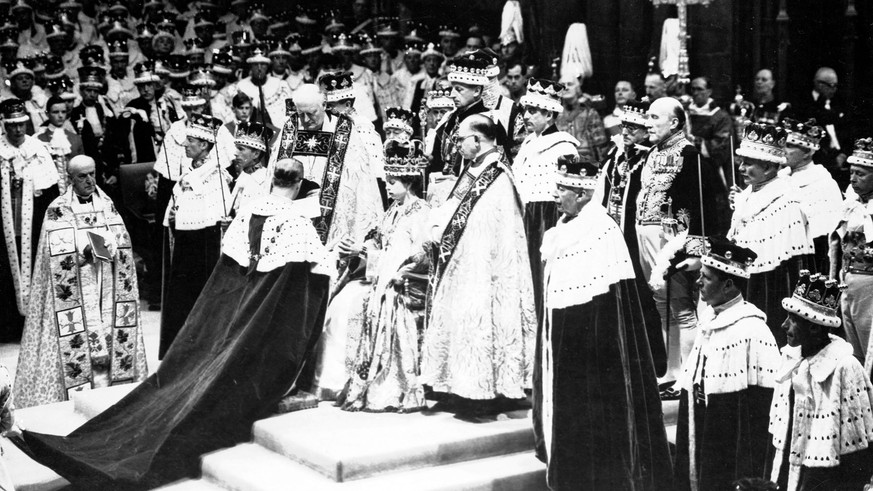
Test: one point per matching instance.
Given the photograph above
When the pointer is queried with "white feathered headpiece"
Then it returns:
(576, 59)
(511, 23)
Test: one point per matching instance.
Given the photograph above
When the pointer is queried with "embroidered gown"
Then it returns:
(481, 323)
(81, 312)
(384, 372)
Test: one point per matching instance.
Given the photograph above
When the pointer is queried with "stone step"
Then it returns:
(345, 446)
(191, 485)
(55, 419)
(250, 467)
(90, 403)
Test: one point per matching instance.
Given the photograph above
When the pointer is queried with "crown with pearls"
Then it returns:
(575, 174)
(61, 86)
(14, 111)
(726, 256)
(337, 86)
(92, 77)
(431, 50)
(178, 65)
(816, 299)
(369, 45)
(635, 113)
(144, 73)
(18, 67)
(253, 135)
(764, 142)
(543, 94)
(863, 153)
(440, 99)
(469, 69)
(805, 135)
(203, 127)
(399, 119)
(343, 42)
(449, 30)
(191, 97)
(202, 77)
(257, 56)
(404, 158)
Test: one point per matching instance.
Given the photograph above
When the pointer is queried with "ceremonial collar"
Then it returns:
(671, 140)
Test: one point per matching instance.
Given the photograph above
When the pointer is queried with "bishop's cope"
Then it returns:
(334, 156)
(82, 329)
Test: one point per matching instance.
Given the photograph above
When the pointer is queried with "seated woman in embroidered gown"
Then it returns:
(384, 374)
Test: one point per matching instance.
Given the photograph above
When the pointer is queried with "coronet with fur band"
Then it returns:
(863, 153)
(764, 142)
(17, 68)
(469, 69)
(804, 135)
(543, 94)
(203, 127)
(93, 77)
(440, 99)
(144, 73)
(191, 97)
(14, 111)
(405, 158)
(431, 50)
(337, 86)
(726, 256)
(635, 113)
(816, 299)
(575, 174)
(399, 119)
(253, 135)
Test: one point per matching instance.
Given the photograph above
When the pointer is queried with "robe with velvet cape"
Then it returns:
(237, 355)
(598, 420)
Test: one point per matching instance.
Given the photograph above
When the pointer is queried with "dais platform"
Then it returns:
(329, 449)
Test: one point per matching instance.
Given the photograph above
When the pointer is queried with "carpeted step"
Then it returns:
(251, 467)
(345, 446)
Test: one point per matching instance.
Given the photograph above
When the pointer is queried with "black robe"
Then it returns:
(607, 422)
(766, 291)
(11, 320)
(236, 357)
(731, 438)
(651, 317)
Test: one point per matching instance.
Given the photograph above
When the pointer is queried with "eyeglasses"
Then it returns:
(827, 84)
(457, 139)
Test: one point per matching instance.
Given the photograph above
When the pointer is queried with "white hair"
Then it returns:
(308, 95)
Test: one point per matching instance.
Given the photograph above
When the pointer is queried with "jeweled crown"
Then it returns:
(816, 298)
(805, 135)
(405, 158)
(764, 142)
(863, 153)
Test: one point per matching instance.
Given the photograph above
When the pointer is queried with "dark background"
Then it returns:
(730, 39)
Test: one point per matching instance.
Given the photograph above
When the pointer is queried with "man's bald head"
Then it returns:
(80, 163)
(82, 172)
(310, 104)
(764, 82)
(825, 82)
(665, 117)
(308, 95)
(481, 125)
